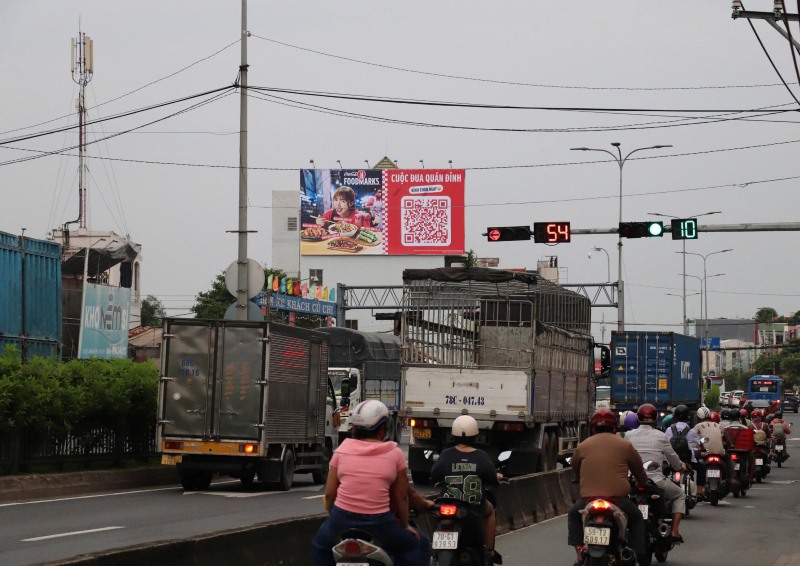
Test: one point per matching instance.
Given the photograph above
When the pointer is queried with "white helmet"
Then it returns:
(369, 415)
(703, 413)
(465, 426)
(622, 416)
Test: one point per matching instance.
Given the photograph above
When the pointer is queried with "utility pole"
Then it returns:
(243, 263)
(82, 72)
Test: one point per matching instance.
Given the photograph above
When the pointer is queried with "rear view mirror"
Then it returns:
(504, 456)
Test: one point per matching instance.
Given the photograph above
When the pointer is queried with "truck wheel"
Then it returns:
(421, 478)
(248, 478)
(287, 471)
(320, 475)
(195, 481)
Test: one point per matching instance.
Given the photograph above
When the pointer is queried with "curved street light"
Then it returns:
(608, 258)
(621, 162)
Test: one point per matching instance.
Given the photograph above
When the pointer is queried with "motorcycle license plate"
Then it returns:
(713, 473)
(352, 564)
(644, 510)
(736, 466)
(443, 540)
(759, 462)
(595, 535)
(779, 448)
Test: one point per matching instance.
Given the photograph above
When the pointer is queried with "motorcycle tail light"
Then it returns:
(600, 505)
(448, 510)
(677, 477)
(352, 547)
(713, 459)
(734, 457)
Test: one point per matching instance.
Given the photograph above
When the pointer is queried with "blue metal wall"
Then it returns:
(30, 295)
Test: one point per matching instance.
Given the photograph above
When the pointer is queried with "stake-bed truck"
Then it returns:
(511, 349)
(244, 399)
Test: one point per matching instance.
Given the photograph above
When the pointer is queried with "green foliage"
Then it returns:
(766, 314)
(47, 394)
(153, 311)
(712, 398)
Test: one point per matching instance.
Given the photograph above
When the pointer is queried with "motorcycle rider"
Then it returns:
(652, 444)
(464, 463)
(365, 472)
(736, 430)
(681, 423)
(779, 429)
(717, 443)
(601, 464)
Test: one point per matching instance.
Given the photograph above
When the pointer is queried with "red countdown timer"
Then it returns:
(551, 232)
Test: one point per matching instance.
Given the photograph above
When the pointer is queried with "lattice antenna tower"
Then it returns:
(82, 72)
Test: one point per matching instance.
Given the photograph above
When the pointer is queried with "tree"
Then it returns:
(213, 303)
(795, 319)
(712, 398)
(766, 314)
(153, 311)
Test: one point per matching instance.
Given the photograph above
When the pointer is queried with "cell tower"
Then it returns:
(82, 72)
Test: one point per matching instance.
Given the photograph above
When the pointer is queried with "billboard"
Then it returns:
(381, 211)
(104, 322)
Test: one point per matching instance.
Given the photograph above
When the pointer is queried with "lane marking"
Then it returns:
(246, 495)
(314, 496)
(72, 534)
(91, 496)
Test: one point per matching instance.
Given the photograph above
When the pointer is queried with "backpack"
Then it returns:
(777, 430)
(680, 443)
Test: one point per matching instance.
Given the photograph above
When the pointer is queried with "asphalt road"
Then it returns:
(761, 528)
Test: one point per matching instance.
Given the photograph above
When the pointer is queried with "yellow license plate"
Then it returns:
(169, 460)
(421, 432)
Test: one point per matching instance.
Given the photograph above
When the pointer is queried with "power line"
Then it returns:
(512, 83)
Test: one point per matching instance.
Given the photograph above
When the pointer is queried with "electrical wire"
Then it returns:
(764, 48)
(789, 38)
(512, 83)
(127, 93)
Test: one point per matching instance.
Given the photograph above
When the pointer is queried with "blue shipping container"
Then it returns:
(30, 295)
(662, 368)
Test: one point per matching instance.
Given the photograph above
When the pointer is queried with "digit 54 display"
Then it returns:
(552, 232)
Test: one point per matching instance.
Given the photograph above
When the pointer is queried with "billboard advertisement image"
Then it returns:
(104, 322)
(382, 211)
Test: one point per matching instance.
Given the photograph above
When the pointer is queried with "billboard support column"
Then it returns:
(341, 313)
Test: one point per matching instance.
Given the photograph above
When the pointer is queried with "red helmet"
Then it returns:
(603, 419)
(647, 414)
(757, 414)
(742, 412)
(715, 417)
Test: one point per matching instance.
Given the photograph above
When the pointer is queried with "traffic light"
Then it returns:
(684, 229)
(508, 233)
(551, 232)
(641, 229)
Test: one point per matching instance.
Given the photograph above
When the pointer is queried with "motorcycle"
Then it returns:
(740, 478)
(717, 483)
(458, 537)
(656, 511)
(605, 535)
(779, 451)
(762, 459)
(359, 548)
(686, 481)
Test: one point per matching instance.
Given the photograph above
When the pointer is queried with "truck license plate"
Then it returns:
(170, 460)
(759, 461)
(421, 432)
(595, 535)
(443, 540)
(713, 473)
(644, 510)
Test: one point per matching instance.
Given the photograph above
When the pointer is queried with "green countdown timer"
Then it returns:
(684, 229)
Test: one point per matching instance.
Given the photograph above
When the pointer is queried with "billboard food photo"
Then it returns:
(382, 212)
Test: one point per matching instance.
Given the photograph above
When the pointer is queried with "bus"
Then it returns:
(767, 387)
(602, 397)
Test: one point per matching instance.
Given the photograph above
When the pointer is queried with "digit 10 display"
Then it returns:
(551, 232)
(684, 229)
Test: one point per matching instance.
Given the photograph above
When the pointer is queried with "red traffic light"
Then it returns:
(508, 233)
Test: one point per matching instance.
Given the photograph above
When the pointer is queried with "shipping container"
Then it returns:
(30, 295)
(661, 368)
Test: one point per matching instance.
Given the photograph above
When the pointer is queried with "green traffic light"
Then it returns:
(655, 228)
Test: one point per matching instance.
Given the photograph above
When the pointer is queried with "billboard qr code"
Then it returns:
(426, 221)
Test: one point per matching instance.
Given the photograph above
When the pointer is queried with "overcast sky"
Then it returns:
(625, 54)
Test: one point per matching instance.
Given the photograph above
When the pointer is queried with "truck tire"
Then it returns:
(420, 478)
(287, 471)
(320, 475)
(195, 481)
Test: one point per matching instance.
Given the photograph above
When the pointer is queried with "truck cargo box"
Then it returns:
(662, 368)
(30, 300)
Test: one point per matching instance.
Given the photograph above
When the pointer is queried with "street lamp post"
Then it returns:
(608, 258)
(705, 291)
(685, 321)
(621, 162)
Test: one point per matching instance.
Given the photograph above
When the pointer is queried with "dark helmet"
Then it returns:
(681, 413)
(647, 414)
(603, 420)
